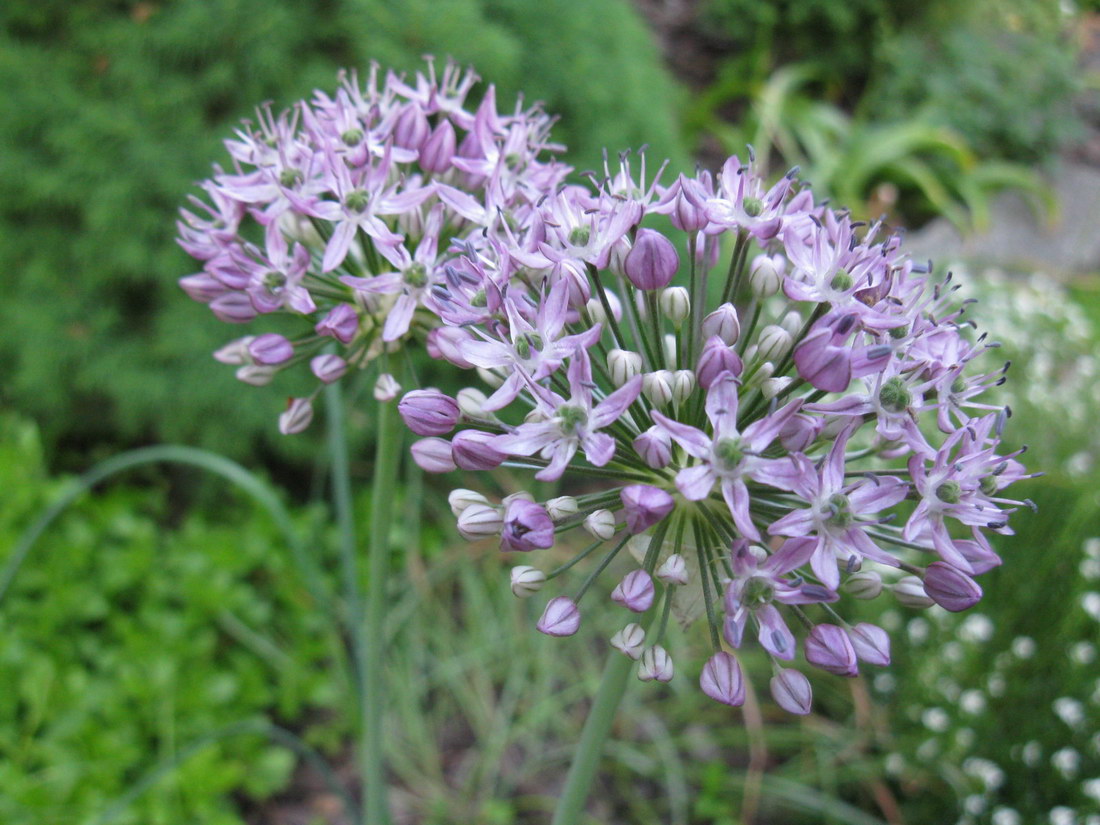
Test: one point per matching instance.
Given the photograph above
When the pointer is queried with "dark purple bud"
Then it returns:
(439, 149)
(527, 526)
(560, 618)
(950, 588)
(791, 691)
(270, 349)
(635, 591)
(433, 455)
(722, 680)
(644, 506)
(328, 367)
(474, 450)
(715, 359)
(341, 323)
(429, 412)
(411, 128)
(655, 447)
(871, 643)
(652, 262)
(829, 648)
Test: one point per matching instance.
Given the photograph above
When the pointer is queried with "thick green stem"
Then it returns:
(387, 458)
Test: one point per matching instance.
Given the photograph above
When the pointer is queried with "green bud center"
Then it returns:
(357, 200)
(958, 385)
(899, 332)
(840, 511)
(274, 281)
(729, 453)
(571, 418)
(480, 299)
(894, 396)
(841, 281)
(989, 485)
(416, 275)
(527, 342)
(352, 137)
(753, 207)
(949, 492)
(757, 592)
(290, 177)
(580, 235)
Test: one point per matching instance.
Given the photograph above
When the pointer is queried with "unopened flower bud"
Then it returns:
(600, 524)
(328, 367)
(683, 385)
(491, 377)
(428, 412)
(771, 387)
(629, 640)
(449, 344)
(722, 680)
(471, 402)
(657, 387)
(909, 590)
(765, 279)
(800, 432)
(433, 455)
(479, 521)
(412, 127)
(256, 375)
(270, 349)
(235, 352)
(675, 304)
(673, 570)
(622, 365)
(526, 581)
(474, 450)
(951, 588)
(522, 495)
(792, 322)
(716, 358)
(652, 262)
(655, 447)
(867, 584)
(560, 618)
(791, 691)
(724, 323)
(233, 308)
(595, 309)
(341, 323)
(655, 664)
(871, 643)
(645, 505)
(635, 591)
(774, 342)
(562, 507)
(829, 648)
(460, 499)
(298, 414)
(527, 526)
(439, 149)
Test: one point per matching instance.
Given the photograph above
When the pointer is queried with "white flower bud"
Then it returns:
(256, 375)
(460, 499)
(490, 377)
(683, 384)
(792, 322)
(629, 640)
(479, 521)
(623, 365)
(595, 311)
(673, 570)
(471, 401)
(236, 352)
(526, 581)
(386, 388)
(655, 664)
(675, 304)
(670, 348)
(657, 387)
(522, 495)
(771, 387)
(600, 524)
(562, 507)
(765, 279)
(774, 342)
(866, 584)
(298, 414)
(724, 323)
(909, 590)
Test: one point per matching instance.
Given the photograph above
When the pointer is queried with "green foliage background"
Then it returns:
(111, 111)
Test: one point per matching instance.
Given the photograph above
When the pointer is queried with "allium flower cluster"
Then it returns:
(802, 425)
(347, 212)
